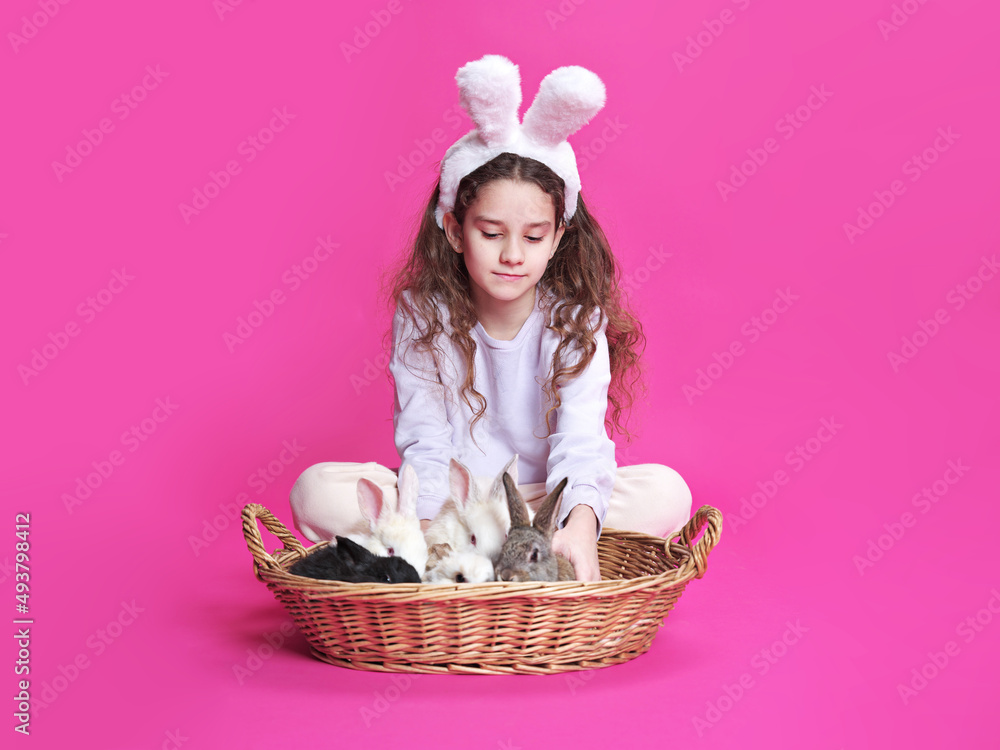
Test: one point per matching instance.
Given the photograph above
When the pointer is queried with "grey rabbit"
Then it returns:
(527, 554)
(349, 561)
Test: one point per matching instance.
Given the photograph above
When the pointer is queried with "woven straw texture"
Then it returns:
(490, 628)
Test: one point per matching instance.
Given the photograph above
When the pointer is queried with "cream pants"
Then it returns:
(651, 498)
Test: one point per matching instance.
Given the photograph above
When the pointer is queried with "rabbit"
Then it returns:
(349, 561)
(444, 565)
(527, 554)
(393, 530)
(468, 520)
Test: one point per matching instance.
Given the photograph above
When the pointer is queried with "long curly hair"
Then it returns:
(583, 272)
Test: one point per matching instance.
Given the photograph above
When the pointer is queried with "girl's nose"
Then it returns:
(512, 253)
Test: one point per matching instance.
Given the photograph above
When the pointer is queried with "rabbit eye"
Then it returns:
(534, 555)
(459, 578)
(391, 551)
(473, 540)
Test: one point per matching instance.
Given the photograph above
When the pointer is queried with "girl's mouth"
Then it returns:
(508, 276)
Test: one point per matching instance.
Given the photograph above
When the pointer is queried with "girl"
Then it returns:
(510, 335)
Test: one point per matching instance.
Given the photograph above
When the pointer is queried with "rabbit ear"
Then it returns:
(460, 482)
(511, 468)
(370, 500)
(497, 489)
(515, 503)
(567, 99)
(408, 488)
(545, 518)
(489, 89)
(351, 552)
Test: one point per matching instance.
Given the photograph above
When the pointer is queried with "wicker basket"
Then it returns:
(490, 628)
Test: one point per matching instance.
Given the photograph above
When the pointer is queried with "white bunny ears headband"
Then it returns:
(490, 91)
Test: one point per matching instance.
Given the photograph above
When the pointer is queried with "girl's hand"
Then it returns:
(577, 541)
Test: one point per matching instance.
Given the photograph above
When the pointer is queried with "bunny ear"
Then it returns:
(351, 552)
(370, 501)
(515, 503)
(567, 99)
(489, 89)
(545, 518)
(497, 492)
(408, 489)
(460, 482)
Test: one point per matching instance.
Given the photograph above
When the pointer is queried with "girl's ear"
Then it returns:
(453, 232)
(557, 239)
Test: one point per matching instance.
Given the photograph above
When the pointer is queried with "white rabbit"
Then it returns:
(444, 565)
(468, 520)
(394, 530)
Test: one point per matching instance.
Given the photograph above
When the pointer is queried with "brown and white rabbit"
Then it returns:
(527, 554)
(393, 530)
(470, 519)
(445, 565)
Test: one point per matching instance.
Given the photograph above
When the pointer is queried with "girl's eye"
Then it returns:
(534, 239)
(491, 236)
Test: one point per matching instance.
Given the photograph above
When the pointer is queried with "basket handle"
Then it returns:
(253, 511)
(708, 518)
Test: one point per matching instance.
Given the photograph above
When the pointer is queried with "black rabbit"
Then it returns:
(349, 561)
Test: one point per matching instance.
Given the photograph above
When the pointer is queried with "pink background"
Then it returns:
(167, 675)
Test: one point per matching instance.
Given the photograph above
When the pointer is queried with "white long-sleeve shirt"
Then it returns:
(431, 420)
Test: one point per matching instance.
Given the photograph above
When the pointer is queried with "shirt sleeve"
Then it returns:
(423, 434)
(580, 448)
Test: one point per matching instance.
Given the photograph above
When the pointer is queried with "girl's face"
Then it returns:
(508, 237)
